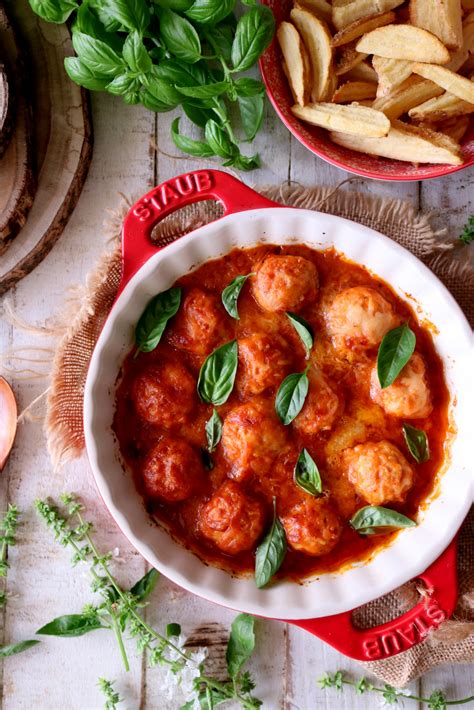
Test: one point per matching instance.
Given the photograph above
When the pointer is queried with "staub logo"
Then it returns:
(171, 193)
(384, 644)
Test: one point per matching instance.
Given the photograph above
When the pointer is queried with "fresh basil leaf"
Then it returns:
(19, 647)
(231, 293)
(375, 520)
(189, 145)
(153, 104)
(251, 115)
(82, 75)
(217, 374)
(173, 630)
(123, 84)
(291, 396)
(180, 37)
(197, 114)
(242, 162)
(183, 74)
(396, 348)
(132, 14)
(307, 475)
(246, 86)
(56, 11)
(102, 10)
(135, 54)
(303, 329)
(155, 317)
(271, 552)
(178, 5)
(97, 55)
(144, 587)
(253, 35)
(162, 90)
(218, 140)
(222, 36)
(71, 625)
(213, 431)
(87, 22)
(209, 12)
(417, 442)
(207, 91)
(208, 699)
(241, 643)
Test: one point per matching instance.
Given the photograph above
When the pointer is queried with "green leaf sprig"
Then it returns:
(291, 396)
(154, 319)
(436, 701)
(213, 431)
(126, 47)
(467, 234)
(306, 474)
(112, 698)
(271, 551)
(303, 329)
(376, 520)
(231, 293)
(217, 374)
(396, 348)
(119, 611)
(417, 443)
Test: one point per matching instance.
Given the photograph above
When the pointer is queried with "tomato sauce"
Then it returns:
(361, 421)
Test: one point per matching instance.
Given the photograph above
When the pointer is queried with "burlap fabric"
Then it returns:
(87, 308)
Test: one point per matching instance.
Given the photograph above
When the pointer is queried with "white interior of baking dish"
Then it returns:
(414, 549)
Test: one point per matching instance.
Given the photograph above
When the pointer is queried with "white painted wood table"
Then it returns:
(62, 673)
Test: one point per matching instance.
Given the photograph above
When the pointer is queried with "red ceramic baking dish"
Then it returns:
(317, 139)
(323, 604)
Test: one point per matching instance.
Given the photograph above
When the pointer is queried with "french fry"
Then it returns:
(391, 73)
(317, 40)
(404, 42)
(361, 27)
(441, 108)
(354, 91)
(320, 8)
(361, 72)
(455, 128)
(296, 63)
(357, 120)
(331, 87)
(442, 18)
(345, 12)
(411, 93)
(349, 58)
(404, 142)
(456, 84)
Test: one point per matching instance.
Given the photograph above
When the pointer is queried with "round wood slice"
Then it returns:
(7, 109)
(17, 175)
(63, 149)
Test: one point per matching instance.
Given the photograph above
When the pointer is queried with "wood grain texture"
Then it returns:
(63, 134)
(62, 673)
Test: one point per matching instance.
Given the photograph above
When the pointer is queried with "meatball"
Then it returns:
(312, 526)
(164, 394)
(321, 408)
(172, 470)
(409, 396)
(232, 519)
(379, 472)
(359, 318)
(285, 283)
(200, 324)
(252, 436)
(264, 361)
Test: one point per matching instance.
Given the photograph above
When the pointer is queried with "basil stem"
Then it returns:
(291, 396)
(303, 329)
(231, 293)
(217, 374)
(155, 317)
(375, 520)
(396, 348)
(306, 474)
(271, 552)
(417, 443)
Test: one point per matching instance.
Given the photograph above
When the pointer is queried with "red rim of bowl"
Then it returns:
(315, 140)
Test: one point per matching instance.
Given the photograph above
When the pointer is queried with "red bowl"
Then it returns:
(317, 139)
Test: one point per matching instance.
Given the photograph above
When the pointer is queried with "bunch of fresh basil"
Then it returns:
(169, 53)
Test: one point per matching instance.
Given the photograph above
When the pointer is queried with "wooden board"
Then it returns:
(17, 174)
(63, 144)
(7, 109)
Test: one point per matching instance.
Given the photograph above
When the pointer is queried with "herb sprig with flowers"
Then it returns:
(169, 53)
(120, 609)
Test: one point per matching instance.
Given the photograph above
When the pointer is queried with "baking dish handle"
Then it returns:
(163, 200)
(400, 634)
